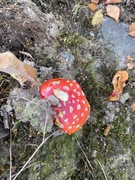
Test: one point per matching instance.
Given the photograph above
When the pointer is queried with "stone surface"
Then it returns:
(117, 40)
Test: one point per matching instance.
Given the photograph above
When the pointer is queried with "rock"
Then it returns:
(69, 58)
(28, 107)
(124, 97)
(116, 38)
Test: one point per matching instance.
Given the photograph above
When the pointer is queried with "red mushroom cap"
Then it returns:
(73, 108)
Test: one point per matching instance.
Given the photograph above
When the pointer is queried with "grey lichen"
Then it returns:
(31, 109)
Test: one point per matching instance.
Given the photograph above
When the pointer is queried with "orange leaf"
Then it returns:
(93, 7)
(113, 11)
(129, 58)
(17, 69)
(95, 1)
(118, 84)
(131, 29)
(112, 1)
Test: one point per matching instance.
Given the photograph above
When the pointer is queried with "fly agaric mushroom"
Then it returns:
(72, 108)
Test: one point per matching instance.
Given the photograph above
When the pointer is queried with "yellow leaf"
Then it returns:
(118, 84)
(113, 11)
(17, 69)
(107, 130)
(97, 18)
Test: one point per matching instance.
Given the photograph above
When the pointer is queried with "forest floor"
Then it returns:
(80, 40)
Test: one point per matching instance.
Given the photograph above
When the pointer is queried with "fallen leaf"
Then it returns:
(92, 6)
(133, 106)
(17, 69)
(112, 1)
(95, 1)
(129, 58)
(131, 29)
(130, 66)
(107, 130)
(97, 18)
(113, 11)
(118, 84)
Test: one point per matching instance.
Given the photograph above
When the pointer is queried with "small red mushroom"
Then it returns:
(71, 106)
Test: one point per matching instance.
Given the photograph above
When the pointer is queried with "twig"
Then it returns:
(86, 159)
(32, 156)
(102, 169)
(84, 154)
(43, 141)
(10, 155)
(26, 54)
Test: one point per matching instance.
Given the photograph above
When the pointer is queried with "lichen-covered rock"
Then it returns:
(29, 107)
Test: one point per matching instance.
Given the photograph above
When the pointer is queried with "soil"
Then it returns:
(62, 41)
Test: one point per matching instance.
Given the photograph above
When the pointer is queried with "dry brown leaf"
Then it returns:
(95, 1)
(112, 1)
(113, 11)
(92, 6)
(129, 58)
(133, 106)
(97, 18)
(130, 66)
(131, 29)
(107, 130)
(17, 69)
(118, 84)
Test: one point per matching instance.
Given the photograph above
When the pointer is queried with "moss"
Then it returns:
(57, 158)
(94, 88)
(71, 39)
(118, 142)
